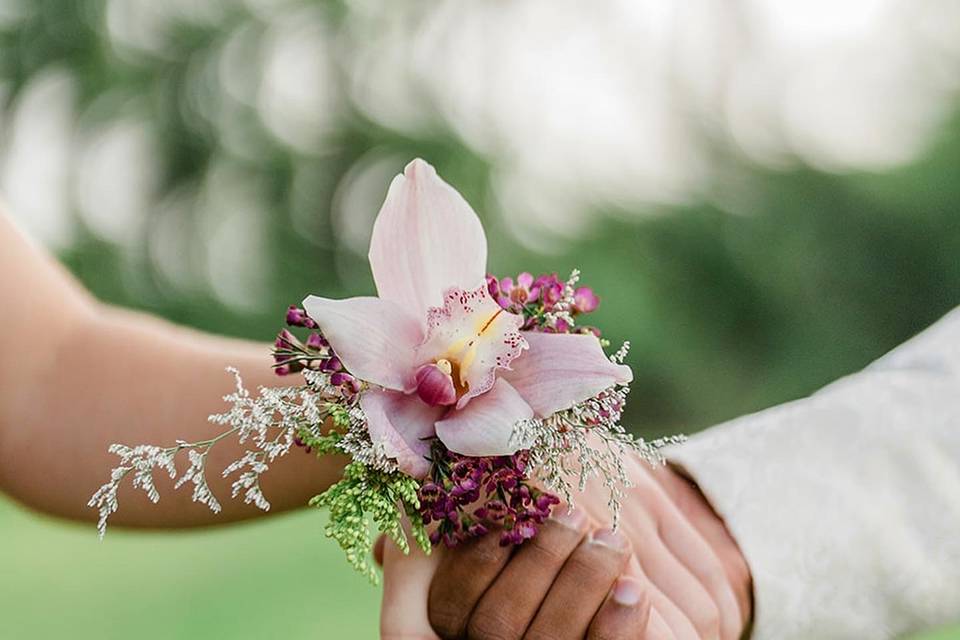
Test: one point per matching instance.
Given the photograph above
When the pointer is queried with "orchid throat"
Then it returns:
(445, 380)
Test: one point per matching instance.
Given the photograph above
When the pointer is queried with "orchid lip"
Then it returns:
(435, 384)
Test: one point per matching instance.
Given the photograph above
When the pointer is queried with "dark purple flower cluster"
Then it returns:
(466, 496)
(290, 355)
(297, 317)
(535, 298)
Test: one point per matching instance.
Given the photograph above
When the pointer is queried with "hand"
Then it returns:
(684, 564)
(559, 580)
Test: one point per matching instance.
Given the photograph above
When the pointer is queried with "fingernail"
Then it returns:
(626, 592)
(575, 519)
(608, 537)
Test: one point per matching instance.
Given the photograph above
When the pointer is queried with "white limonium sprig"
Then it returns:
(563, 311)
(587, 441)
(355, 440)
(620, 355)
(140, 460)
(269, 422)
(197, 474)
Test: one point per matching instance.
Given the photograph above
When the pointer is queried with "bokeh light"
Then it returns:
(764, 193)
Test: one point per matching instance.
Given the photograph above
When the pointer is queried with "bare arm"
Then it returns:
(76, 376)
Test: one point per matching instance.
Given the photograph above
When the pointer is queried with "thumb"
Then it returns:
(406, 585)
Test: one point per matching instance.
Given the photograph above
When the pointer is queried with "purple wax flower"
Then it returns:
(493, 286)
(467, 497)
(551, 289)
(585, 300)
(297, 317)
(561, 326)
(340, 378)
(317, 342)
(285, 340)
(331, 364)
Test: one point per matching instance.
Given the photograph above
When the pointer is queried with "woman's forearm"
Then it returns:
(77, 376)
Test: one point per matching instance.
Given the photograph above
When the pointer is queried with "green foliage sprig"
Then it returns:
(365, 494)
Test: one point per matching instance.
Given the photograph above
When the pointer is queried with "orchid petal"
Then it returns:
(403, 425)
(563, 369)
(476, 335)
(425, 240)
(375, 339)
(485, 426)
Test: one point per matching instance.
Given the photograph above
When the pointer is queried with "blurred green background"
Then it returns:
(767, 197)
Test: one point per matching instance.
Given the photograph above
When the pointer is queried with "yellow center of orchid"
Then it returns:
(461, 354)
(470, 337)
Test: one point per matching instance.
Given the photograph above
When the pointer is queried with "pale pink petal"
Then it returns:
(375, 339)
(403, 425)
(485, 426)
(426, 239)
(476, 335)
(560, 370)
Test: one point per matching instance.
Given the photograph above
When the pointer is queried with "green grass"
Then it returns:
(278, 578)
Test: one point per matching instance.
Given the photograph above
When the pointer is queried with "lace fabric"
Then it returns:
(846, 504)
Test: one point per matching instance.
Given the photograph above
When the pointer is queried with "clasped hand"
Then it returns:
(671, 570)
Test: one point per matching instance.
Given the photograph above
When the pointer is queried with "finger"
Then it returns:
(657, 627)
(677, 583)
(406, 582)
(511, 602)
(689, 547)
(625, 614)
(581, 587)
(462, 577)
(593, 500)
(690, 501)
(666, 619)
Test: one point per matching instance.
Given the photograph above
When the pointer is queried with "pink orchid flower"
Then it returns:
(443, 357)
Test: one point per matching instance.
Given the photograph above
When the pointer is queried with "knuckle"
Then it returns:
(446, 620)
(483, 553)
(582, 565)
(546, 553)
(486, 624)
(589, 569)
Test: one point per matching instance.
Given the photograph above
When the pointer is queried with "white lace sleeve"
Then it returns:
(846, 504)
